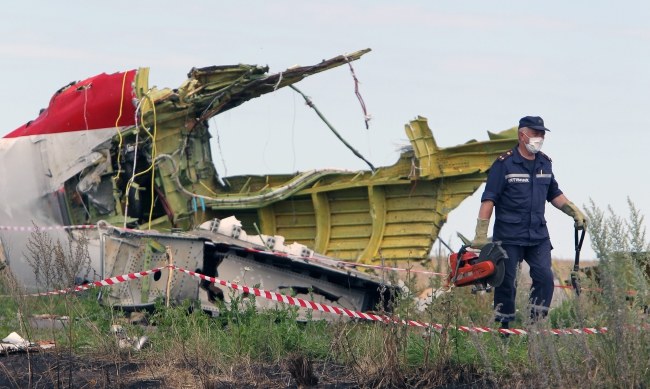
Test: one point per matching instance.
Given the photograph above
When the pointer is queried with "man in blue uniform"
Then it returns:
(519, 184)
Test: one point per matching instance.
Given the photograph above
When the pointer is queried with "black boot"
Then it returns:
(505, 325)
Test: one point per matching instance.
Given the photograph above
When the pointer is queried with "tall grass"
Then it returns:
(273, 348)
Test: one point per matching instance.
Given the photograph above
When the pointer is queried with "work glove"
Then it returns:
(580, 220)
(480, 237)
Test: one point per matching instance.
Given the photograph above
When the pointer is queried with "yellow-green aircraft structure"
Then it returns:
(136, 161)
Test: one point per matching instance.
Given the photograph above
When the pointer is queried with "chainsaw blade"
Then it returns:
(497, 255)
(496, 278)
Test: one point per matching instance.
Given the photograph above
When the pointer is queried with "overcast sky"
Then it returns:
(469, 67)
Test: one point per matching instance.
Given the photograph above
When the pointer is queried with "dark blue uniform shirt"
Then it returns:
(520, 196)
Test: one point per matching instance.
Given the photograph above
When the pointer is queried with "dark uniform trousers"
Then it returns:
(539, 260)
(519, 189)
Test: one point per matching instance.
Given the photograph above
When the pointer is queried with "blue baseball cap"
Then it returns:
(534, 122)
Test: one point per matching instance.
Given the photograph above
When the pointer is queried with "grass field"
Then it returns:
(245, 348)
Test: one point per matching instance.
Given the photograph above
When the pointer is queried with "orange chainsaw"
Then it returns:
(484, 269)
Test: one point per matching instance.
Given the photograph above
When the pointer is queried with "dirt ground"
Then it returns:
(50, 369)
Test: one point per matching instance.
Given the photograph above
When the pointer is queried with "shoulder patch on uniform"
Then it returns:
(505, 155)
(546, 156)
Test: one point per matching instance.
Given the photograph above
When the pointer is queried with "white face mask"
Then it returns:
(534, 144)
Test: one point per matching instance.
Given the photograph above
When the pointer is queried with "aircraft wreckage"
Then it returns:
(136, 162)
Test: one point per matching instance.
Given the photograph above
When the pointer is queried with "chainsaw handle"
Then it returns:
(459, 256)
(575, 282)
(578, 246)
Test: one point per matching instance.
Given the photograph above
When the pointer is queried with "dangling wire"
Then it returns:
(135, 160)
(311, 105)
(119, 133)
(154, 152)
(129, 184)
(153, 159)
(366, 116)
(221, 156)
(277, 84)
(85, 89)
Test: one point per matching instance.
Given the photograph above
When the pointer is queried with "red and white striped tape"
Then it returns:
(296, 301)
(47, 228)
(105, 282)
